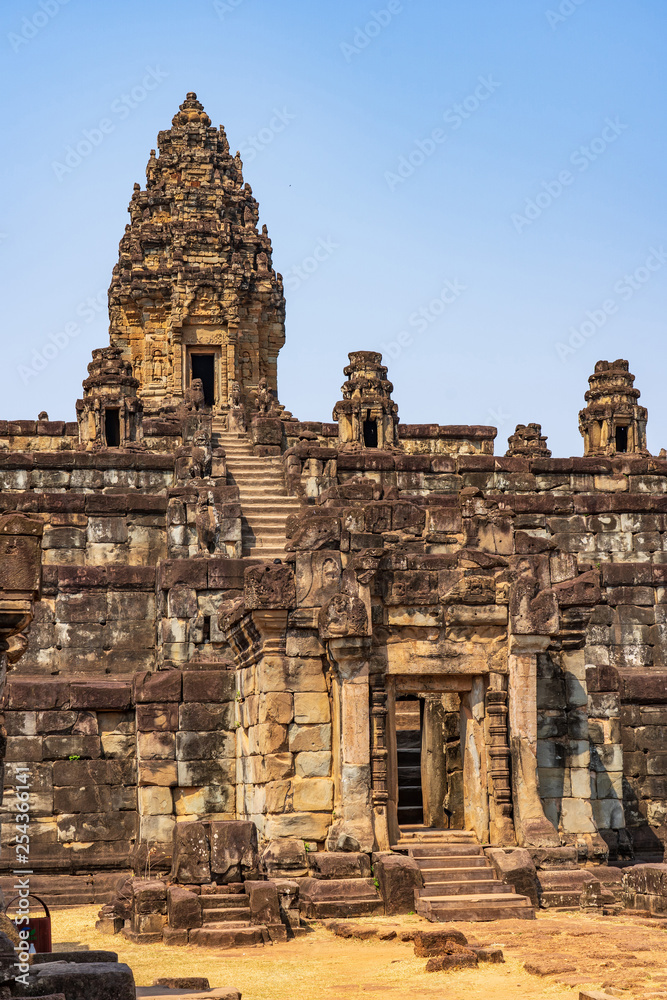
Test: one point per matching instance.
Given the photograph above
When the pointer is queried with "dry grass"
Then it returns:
(317, 966)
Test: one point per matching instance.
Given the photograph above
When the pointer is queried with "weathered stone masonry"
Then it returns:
(449, 637)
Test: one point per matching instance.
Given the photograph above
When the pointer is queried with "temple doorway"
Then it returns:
(428, 760)
(203, 367)
(409, 716)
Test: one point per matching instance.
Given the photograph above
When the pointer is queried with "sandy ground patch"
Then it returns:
(566, 950)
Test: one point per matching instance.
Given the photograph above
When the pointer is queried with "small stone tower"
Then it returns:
(529, 441)
(613, 423)
(367, 415)
(194, 295)
(109, 415)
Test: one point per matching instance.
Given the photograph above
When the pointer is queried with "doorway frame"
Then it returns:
(216, 352)
(414, 684)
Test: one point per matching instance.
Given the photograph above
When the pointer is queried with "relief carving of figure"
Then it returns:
(265, 399)
(343, 615)
(158, 367)
(206, 523)
(202, 455)
(236, 415)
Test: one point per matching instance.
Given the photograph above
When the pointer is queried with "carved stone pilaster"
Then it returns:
(379, 767)
(379, 751)
(499, 766)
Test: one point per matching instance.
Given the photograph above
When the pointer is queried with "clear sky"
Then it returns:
(483, 184)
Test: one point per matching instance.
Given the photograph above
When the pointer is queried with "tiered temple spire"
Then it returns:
(194, 294)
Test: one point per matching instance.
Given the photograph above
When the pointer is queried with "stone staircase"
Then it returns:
(226, 922)
(459, 882)
(61, 892)
(264, 500)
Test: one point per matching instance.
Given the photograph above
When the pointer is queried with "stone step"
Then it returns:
(439, 876)
(471, 899)
(477, 909)
(555, 900)
(261, 493)
(325, 909)
(66, 891)
(263, 554)
(427, 851)
(228, 900)
(271, 504)
(229, 936)
(427, 832)
(439, 860)
(262, 482)
(226, 915)
(252, 529)
(251, 473)
(465, 887)
(455, 864)
(264, 517)
(267, 501)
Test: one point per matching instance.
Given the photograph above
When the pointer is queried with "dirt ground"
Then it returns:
(545, 958)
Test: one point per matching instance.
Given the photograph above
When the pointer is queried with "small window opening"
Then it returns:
(621, 439)
(112, 428)
(370, 431)
(203, 367)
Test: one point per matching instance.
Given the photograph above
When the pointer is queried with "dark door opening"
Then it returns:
(203, 367)
(112, 428)
(370, 431)
(621, 439)
(409, 753)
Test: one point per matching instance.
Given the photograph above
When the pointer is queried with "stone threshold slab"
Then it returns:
(158, 992)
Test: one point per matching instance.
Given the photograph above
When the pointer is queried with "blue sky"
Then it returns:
(484, 187)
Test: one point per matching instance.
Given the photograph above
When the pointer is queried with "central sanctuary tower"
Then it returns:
(194, 294)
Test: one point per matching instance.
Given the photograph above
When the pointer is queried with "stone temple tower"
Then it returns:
(367, 415)
(194, 295)
(613, 423)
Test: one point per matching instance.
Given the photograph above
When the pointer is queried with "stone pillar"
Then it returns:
(352, 828)
(522, 679)
(532, 827)
(473, 747)
(434, 762)
(576, 821)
